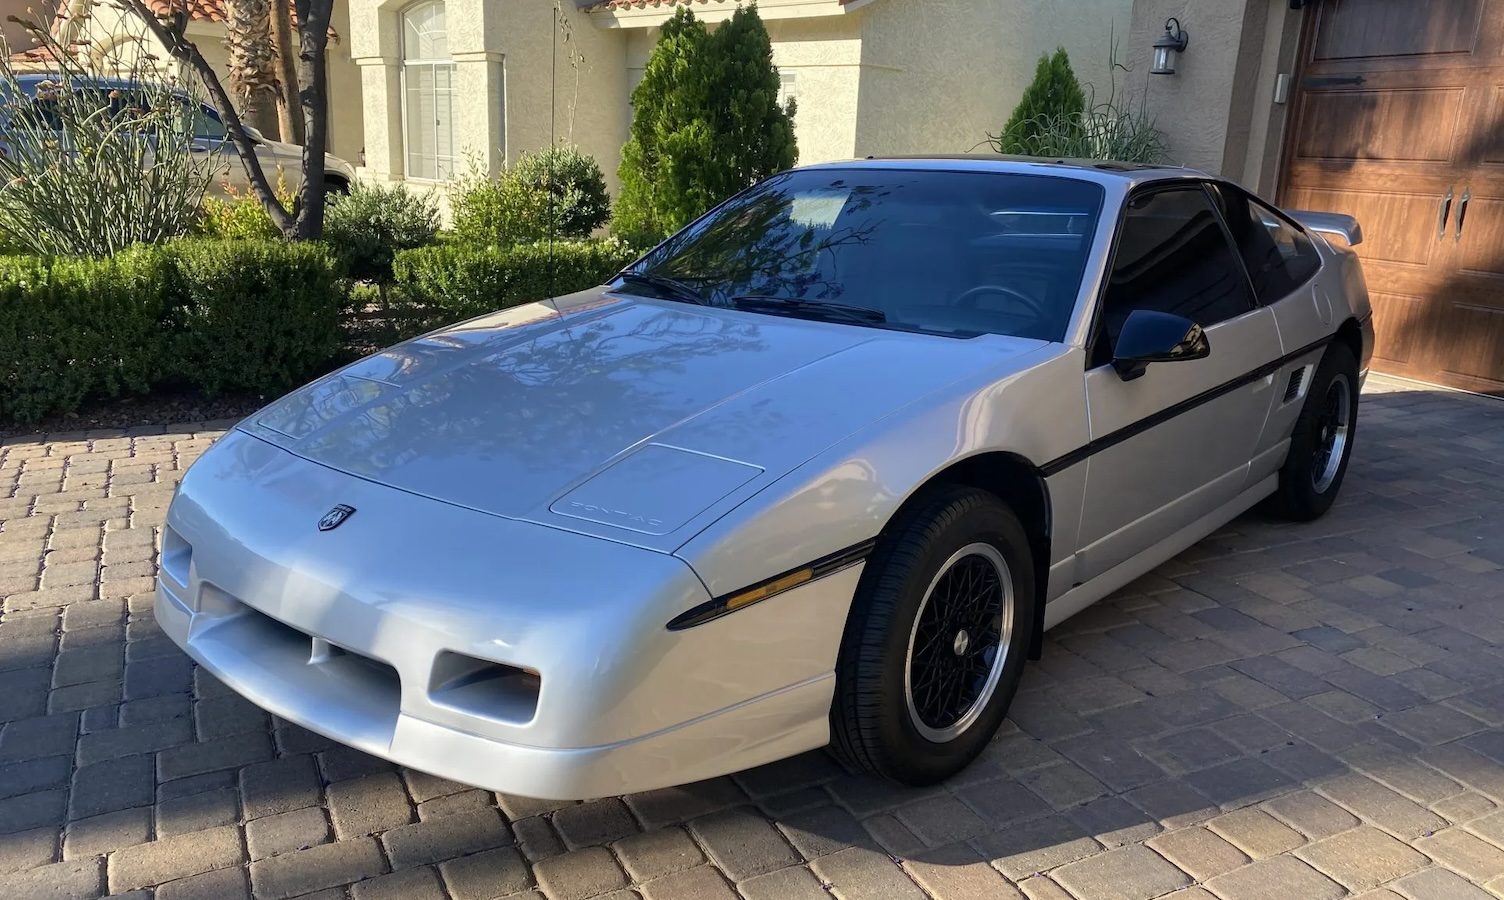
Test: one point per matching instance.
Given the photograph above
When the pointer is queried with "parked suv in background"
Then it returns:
(210, 137)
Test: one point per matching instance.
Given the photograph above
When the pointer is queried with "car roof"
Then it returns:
(1097, 170)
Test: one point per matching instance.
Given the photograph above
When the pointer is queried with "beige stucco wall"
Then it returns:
(937, 75)
(17, 37)
(1218, 110)
(508, 101)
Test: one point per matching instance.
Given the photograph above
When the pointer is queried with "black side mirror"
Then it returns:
(1149, 337)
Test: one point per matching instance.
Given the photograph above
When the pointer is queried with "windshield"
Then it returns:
(956, 253)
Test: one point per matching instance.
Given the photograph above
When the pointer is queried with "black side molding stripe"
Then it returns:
(825, 565)
(1112, 439)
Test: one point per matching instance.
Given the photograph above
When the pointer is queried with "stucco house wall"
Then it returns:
(1219, 111)
(871, 77)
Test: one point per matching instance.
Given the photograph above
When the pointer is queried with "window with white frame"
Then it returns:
(427, 93)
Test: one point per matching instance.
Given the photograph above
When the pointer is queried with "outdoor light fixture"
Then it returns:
(1175, 39)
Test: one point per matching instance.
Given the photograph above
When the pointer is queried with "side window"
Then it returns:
(1279, 256)
(1172, 256)
(206, 123)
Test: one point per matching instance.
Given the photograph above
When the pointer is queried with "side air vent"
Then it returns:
(1297, 379)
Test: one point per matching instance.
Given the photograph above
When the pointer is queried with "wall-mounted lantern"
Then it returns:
(1174, 39)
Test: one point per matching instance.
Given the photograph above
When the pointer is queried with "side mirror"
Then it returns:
(1150, 337)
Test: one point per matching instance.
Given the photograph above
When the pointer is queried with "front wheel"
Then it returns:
(1322, 442)
(935, 644)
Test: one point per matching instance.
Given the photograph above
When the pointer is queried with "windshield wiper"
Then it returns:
(813, 308)
(676, 289)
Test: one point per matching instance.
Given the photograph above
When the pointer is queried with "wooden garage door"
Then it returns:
(1399, 120)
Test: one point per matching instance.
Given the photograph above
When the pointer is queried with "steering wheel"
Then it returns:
(1031, 304)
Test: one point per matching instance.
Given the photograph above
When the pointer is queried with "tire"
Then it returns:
(876, 723)
(1322, 442)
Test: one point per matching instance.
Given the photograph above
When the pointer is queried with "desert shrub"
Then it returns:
(370, 225)
(239, 215)
(706, 123)
(254, 316)
(76, 328)
(559, 191)
(450, 282)
(89, 168)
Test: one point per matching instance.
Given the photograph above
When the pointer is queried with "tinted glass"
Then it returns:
(1173, 257)
(206, 123)
(1279, 257)
(957, 253)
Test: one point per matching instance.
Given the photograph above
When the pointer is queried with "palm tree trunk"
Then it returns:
(289, 115)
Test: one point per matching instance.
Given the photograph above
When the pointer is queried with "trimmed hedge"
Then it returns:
(451, 282)
(256, 316)
(253, 316)
(74, 328)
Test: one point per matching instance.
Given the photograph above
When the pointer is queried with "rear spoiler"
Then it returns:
(1335, 224)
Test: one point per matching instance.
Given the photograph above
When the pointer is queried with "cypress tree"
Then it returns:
(1053, 96)
(706, 123)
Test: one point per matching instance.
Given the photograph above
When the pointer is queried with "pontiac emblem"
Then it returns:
(336, 517)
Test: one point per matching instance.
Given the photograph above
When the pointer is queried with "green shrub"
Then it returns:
(240, 216)
(371, 224)
(451, 282)
(254, 316)
(559, 190)
(75, 328)
(706, 123)
(1054, 96)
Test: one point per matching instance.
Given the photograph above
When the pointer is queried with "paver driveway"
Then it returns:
(1283, 711)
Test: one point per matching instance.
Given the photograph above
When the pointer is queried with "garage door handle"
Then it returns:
(1441, 215)
(1462, 210)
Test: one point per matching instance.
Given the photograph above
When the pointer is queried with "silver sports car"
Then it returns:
(820, 468)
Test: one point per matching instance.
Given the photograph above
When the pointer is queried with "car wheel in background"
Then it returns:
(1322, 441)
(936, 640)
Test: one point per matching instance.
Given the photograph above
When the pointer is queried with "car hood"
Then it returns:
(634, 420)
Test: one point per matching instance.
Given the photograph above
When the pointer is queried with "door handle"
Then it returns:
(1467, 195)
(1442, 211)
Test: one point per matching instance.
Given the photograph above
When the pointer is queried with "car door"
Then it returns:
(1172, 445)
(1282, 263)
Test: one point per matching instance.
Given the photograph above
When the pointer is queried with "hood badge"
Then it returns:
(336, 517)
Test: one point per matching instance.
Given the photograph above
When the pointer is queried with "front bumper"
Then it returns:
(511, 656)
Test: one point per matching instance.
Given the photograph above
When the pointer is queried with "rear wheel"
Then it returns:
(935, 644)
(1322, 441)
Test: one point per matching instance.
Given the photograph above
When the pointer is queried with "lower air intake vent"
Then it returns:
(1297, 378)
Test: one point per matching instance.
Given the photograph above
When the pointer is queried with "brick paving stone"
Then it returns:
(79, 878)
(579, 874)
(306, 871)
(481, 876)
(1256, 833)
(32, 810)
(823, 830)
(198, 811)
(537, 838)
(1123, 874)
(1275, 878)
(221, 884)
(667, 806)
(369, 805)
(98, 835)
(1463, 853)
(1362, 858)
(594, 823)
(742, 843)
(1311, 814)
(284, 832)
(1381, 806)
(792, 883)
(278, 786)
(208, 756)
(691, 884)
(940, 820)
(28, 849)
(452, 804)
(1199, 852)
(1464, 807)
(958, 872)
(857, 872)
(1439, 884)
(413, 884)
(656, 853)
(439, 839)
(1037, 847)
(171, 858)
